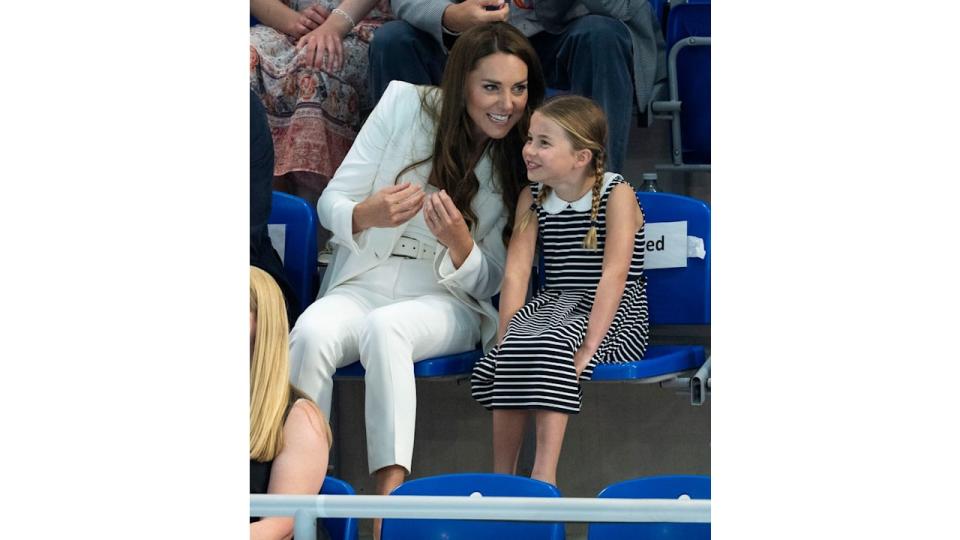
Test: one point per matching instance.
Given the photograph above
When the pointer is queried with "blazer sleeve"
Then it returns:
(481, 273)
(355, 178)
(425, 15)
(618, 9)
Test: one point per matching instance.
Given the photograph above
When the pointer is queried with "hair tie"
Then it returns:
(594, 223)
(533, 206)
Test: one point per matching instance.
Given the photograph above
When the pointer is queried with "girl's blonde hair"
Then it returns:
(585, 125)
(270, 388)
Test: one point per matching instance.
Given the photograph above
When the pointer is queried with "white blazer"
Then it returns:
(398, 133)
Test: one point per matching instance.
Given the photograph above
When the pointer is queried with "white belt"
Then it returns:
(412, 248)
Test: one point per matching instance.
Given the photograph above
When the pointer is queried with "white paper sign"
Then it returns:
(666, 245)
(278, 237)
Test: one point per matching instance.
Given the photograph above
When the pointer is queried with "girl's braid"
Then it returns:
(590, 240)
(541, 196)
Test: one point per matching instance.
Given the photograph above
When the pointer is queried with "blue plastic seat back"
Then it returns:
(339, 528)
(679, 295)
(439, 366)
(654, 487)
(488, 485)
(693, 79)
(674, 295)
(300, 244)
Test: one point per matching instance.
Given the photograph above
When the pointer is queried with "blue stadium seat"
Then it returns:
(339, 528)
(688, 68)
(440, 366)
(299, 250)
(488, 485)
(654, 487)
(679, 295)
(659, 363)
(675, 296)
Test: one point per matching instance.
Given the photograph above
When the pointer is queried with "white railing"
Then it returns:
(307, 508)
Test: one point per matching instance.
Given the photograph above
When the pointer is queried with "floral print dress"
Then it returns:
(314, 116)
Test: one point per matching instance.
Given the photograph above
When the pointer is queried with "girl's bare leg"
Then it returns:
(508, 427)
(551, 426)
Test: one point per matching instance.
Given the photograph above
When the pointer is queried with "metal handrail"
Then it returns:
(307, 508)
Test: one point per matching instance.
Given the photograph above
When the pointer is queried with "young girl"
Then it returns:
(593, 308)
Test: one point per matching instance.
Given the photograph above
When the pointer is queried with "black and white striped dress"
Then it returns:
(533, 367)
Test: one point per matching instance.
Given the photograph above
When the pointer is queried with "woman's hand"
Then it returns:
(324, 45)
(307, 20)
(446, 223)
(389, 207)
(581, 358)
(462, 16)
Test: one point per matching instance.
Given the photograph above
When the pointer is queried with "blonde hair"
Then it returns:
(585, 125)
(270, 388)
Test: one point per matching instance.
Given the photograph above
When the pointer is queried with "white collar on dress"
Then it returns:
(553, 204)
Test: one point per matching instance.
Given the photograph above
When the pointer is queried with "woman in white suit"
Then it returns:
(420, 210)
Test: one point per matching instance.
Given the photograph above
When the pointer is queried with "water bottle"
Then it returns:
(649, 182)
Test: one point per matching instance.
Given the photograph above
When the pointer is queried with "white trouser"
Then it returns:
(388, 332)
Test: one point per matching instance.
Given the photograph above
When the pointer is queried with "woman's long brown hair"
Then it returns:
(455, 152)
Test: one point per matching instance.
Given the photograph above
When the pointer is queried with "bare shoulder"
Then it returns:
(526, 197)
(306, 407)
(300, 466)
(623, 191)
(524, 201)
(622, 205)
(306, 424)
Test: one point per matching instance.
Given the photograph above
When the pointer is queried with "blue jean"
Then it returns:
(592, 57)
